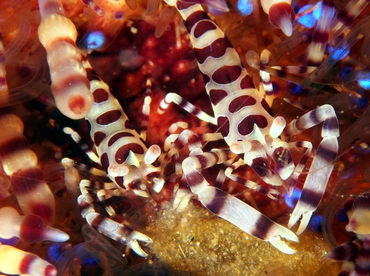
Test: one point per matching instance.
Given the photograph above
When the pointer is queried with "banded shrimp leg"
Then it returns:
(125, 158)
(322, 164)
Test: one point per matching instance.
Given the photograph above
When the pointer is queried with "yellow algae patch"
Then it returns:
(196, 242)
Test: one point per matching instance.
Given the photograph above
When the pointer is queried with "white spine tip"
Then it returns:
(286, 26)
(56, 235)
(282, 16)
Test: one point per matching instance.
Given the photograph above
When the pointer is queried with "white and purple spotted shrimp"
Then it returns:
(245, 122)
(126, 159)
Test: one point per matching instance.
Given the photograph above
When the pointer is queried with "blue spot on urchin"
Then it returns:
(95, 40)
(308, 20)
(317, 12)
(55, 251)
(89, 262)
(316, 223)
(364, 83)
(363, 102)
(338, 53)
(291, 201)
(341, 215)
(295, 89)
(245, 7)
(345, 71)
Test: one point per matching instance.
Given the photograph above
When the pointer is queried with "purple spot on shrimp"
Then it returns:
(119, 181)
(109, 117)
(216, 95)
(104, 160)
(246, 83)
(99, 136)
(240, 102)
(246, 126)
(266, 106)
(203, 27)
(206, 78)
(123, 152)
(183, 5)
(100, 95)
(115, 137)
(194, 18)
(227, 74)
(216, 49)
(224, 125)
